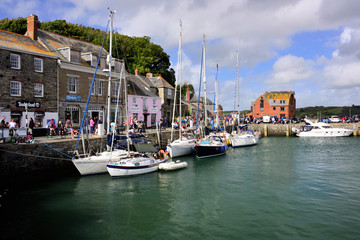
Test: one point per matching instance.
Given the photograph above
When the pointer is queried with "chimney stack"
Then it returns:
(188, 94)
(32, 26)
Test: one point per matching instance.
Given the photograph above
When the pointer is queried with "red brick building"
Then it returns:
(274, 103)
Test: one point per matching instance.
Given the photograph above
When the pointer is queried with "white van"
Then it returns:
(266, 119)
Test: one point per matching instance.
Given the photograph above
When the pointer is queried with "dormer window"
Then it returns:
(94, 60)
(75, 56)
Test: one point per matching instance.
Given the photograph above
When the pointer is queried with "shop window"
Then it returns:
(153, 119)
(73, 114)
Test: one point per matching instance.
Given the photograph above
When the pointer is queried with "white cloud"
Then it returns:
(289, 69)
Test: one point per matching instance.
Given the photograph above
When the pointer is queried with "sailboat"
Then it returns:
(242, 136)
(96, 164)
(182, 146)
(137, 163)
(210, 145)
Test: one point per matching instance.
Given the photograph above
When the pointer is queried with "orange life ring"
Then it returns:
(199, 138)
(161, 153)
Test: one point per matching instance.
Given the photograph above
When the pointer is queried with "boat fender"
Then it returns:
(199, 138)
(222, 149)
(226, 147)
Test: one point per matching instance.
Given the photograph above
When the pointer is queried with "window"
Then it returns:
(134, 100)
(38, 90)
(72, 84)
(15, 88)
(38, 65)
(75, 56)
(115, 88)
(274, 108)
(144, 104)
(15, 61)
(93, 89)
(99, 88)
(169, 92)
(73, 114)
(282, 109)
(261, 105)
(154, 102)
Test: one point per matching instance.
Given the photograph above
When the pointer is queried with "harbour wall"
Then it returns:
(43, 159)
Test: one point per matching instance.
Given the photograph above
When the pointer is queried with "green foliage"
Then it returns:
(138, 52)
(18, 25)
(184, 88)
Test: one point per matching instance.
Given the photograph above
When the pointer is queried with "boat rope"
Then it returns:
(92, 85)
(31, 155)
(56, 150)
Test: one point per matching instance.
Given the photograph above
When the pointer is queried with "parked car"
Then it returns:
(356, 118)
(325, 120)
(334, 119)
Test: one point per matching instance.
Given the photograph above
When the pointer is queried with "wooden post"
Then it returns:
(265, 130)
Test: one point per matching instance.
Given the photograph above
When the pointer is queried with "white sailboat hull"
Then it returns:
(180, 148)
(96, 164)
(244, 140)
(133, 166)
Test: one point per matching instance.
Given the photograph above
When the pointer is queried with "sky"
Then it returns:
(311, 47)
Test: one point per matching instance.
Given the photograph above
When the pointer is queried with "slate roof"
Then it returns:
(161, 82)
(137, 87)
(22, 43)
(55, 41)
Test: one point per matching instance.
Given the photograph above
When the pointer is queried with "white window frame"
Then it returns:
(15, 61)
(134, 100)
(40, 89)
(15, 86)
(70, 84)
(115, 88)
(99, 87)
(94, 87)
(169, 92)
(38, 65)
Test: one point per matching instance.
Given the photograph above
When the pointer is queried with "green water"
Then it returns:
(283, 188)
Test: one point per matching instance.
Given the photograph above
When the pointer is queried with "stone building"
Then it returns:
(274, 103)
(29, 82)
(77, 61)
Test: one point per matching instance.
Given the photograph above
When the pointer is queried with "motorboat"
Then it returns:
(171, 165)
(320, 129)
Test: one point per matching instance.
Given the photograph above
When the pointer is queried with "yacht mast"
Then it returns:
(238, 88)
(180, 73)
(109, 61)
(217, 96)
(204, 75)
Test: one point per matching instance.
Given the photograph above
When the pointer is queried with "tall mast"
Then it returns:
(204, 75)
(180, 73)
(238, 88)
(217, 96)
(109, 60)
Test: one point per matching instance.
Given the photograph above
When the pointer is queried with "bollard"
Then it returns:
(287, 130)
(265, 131)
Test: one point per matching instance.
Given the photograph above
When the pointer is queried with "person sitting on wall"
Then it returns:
(60, 128)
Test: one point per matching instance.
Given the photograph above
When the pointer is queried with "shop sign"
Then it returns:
(29, 104)
(72, 98)
(135, 108)
(153, 109)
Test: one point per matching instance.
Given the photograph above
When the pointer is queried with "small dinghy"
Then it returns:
(168, 166)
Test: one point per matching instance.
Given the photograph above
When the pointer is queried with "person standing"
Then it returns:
(3, 123)
(31, 126)
(92, 125)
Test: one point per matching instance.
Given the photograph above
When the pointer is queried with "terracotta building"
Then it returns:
(274, 103)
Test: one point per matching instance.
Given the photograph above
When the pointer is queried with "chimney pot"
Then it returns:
(32, 26)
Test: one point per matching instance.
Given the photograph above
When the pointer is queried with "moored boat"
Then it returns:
(320, 129)
(171, 165)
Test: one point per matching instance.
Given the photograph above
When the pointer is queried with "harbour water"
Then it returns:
(283, 188)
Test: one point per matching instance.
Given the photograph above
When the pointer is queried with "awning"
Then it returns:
(144, 147)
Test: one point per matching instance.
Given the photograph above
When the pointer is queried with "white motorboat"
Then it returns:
(320, 129)
(171, 165)
(135, 165)
(244, 139)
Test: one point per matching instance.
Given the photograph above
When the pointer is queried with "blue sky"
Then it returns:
(309, 46)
